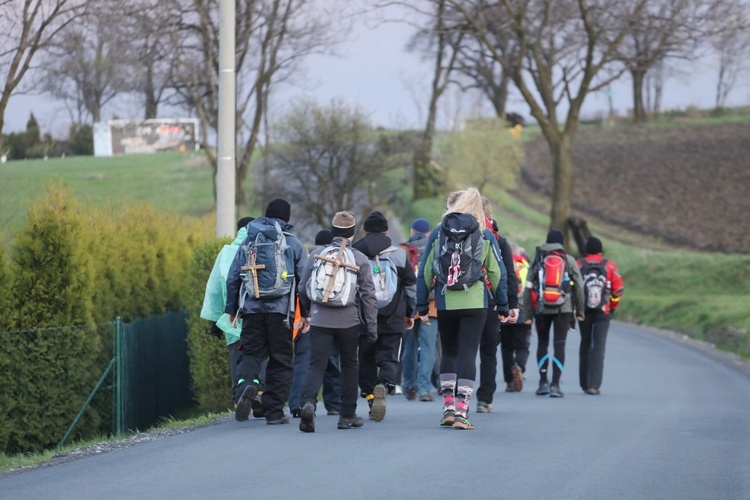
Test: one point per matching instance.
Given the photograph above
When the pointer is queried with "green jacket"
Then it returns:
(574, 301)
(477, 296)
(215, 297)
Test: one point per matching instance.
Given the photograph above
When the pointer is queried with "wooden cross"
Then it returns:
(253, 267)
(338, 263)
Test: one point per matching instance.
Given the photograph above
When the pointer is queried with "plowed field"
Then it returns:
(689, 185)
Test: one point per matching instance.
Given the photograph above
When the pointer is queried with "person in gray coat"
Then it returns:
(340, 323)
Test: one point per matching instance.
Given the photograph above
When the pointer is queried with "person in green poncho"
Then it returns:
(215, 298)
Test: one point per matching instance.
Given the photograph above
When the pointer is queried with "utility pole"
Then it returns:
(225, 168)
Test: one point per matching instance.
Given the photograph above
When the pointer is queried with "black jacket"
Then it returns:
(391, 318)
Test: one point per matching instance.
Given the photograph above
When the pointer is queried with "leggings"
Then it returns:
(460, 332)
(544, 323)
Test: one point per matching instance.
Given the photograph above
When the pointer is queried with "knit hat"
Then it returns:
(376, 223)
(421, 225)
(279, 209)
(343, 224)
(324, 237)
(243, 222)
(594, 245)
(555, 236)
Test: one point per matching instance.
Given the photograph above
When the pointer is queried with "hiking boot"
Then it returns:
(593, 391)
(426, 397)
(350, 422)
(509, 387)
(278, 421)
(307, 418)
(483, 407)
(242, 411)
(410, 393)
(543, 388)
(377, 411)
(257, 406)
(555, 392)
(448, 418)
(460, 422)
(517, 377)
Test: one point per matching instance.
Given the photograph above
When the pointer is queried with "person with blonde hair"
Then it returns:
(458, 255)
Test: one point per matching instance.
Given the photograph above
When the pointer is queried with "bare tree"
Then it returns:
(272, 37)
(442, 44)
(664, 29)
(561, 51)
(26, 26)
(330, 158)
(731, 41)
(86, 68)
(148, 30)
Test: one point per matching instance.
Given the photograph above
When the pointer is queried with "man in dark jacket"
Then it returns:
(266, 332)
(339, 324)
(378, 362)
(491, 333)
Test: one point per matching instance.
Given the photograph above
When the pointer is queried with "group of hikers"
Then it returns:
(371, 318)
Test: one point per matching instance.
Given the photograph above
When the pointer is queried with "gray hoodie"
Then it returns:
(343, 317)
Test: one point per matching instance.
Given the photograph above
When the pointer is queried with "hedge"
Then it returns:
(73, 267)
(209, 364)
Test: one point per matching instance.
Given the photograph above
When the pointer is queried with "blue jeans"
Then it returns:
(331, 379)
(418, 356)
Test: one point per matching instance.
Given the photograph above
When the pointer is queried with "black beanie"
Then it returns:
(243, 222)
(594, 245)
(324, 237)
(279, 209)
(376, 223)
(555, 236)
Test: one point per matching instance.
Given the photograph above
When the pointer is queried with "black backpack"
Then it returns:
(457, 261)
(596, 288)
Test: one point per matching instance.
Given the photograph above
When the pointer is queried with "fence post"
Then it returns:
(118, 377)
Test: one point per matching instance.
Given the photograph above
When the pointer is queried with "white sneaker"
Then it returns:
(398, 390)
(483, 407)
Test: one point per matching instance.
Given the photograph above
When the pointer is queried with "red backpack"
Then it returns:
(554, 281)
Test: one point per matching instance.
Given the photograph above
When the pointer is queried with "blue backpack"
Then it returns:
(268, 272)
(385, 277)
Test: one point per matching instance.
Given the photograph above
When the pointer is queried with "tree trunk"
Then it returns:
(152, 106)
(425, 183)
(500, 95)
(639, 111)
(562, 194)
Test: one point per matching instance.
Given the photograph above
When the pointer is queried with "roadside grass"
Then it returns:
(169, 181)
(9, 462)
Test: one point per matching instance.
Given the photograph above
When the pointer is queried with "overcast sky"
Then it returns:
(375, 71)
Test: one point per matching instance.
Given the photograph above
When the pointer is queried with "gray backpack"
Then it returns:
(329, 288)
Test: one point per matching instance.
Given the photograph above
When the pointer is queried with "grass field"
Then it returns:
(168, 181)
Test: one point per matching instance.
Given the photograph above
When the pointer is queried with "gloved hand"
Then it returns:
(372, 337)
(216, 331)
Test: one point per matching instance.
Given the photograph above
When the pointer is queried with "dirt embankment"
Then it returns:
(688, 185)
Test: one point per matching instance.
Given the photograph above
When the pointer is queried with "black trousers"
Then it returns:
(321, 342)
(382, 355)
(515, 340)
(264, 336)
(488, 357)
(460, 332)
(594, 331)
(561, 323)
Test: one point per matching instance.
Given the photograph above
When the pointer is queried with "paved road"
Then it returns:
(670, 423)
